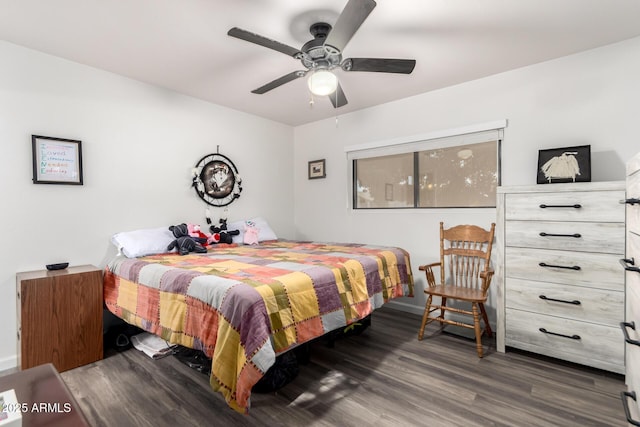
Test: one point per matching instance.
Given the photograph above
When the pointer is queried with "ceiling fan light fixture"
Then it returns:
(322, 82)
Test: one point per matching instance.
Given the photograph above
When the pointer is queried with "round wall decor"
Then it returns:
(216, 180)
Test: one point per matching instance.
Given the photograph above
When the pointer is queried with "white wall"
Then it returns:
(139, 144)
(587, 98)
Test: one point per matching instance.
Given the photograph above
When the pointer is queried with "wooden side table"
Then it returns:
(60, 317)
(44, 398)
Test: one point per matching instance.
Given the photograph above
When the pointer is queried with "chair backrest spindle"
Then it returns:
(465, 250)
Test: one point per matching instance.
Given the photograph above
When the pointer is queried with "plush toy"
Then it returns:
(184, 243)
(224, 235)
(250, 233)
(213, 239)
(196, 233)
(231, 233)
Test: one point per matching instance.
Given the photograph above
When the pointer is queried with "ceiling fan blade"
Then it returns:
(263, 41)
(352, 16)
(338, 99)
(279, 82)
(379, 65)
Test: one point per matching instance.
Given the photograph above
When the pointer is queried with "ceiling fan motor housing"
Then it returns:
(317, 55)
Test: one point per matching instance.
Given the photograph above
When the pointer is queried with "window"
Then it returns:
(442, 172)
(385, 181)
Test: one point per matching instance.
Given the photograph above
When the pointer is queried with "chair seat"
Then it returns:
(457, 292)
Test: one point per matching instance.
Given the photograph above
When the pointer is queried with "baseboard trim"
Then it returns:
(10, 362)
(414, 309)
(408, 308)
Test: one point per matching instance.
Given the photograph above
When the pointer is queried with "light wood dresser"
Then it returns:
(560, 285)
(631, 327)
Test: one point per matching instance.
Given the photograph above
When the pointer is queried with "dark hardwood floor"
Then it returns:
(383, 377)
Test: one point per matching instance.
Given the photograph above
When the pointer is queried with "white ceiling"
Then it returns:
(183, 45)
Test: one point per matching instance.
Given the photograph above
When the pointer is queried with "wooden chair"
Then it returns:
(465, 252)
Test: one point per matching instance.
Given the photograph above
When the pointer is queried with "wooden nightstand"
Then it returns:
(59, 317)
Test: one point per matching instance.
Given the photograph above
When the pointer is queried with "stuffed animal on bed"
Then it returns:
(184, 243)
(251, 233)
(196, 233)
(224, 235)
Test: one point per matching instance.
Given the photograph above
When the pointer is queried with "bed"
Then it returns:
(242, 305)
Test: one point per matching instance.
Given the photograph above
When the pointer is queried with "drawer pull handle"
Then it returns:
(546, 298)
(625, 261)
(632, 201)
(573, 337)
(624, 326)
(576, 206)
(576, 235)
(568, 267)
(625, 405)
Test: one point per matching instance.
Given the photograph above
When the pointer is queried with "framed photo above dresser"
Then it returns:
(568, 164)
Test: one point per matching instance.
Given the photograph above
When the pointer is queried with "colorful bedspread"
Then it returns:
(243, 305)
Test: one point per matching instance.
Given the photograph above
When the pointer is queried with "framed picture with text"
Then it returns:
(56, 160)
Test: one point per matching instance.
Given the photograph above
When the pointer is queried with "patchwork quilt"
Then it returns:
(243, 305)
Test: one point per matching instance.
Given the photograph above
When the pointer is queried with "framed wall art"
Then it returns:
(568, 164)
(56, 160)
(317, 169)
(216, 180)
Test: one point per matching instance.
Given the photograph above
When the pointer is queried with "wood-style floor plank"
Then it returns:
(383, 377)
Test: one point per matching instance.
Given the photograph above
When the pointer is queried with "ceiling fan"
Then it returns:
(324, 53)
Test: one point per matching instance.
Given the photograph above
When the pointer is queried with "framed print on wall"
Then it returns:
(568, 164)
(317, 169)
(56, 160)
(216, 180)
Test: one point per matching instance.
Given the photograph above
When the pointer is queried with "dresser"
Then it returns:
(631, 263)
(560, 286)
(59, 315)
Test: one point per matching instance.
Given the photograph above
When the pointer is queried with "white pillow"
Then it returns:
(264, 231)
(143, 242)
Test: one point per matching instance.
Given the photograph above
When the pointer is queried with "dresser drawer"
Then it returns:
(633, 311)
(598, 346)
(595, 206)
(632, 353)
(633, 281)
(633, 298)
(633, 217)
(632, 377)
(595, 305)
(600, 271)
(633, 315)
(633, 211)
(604, 237)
